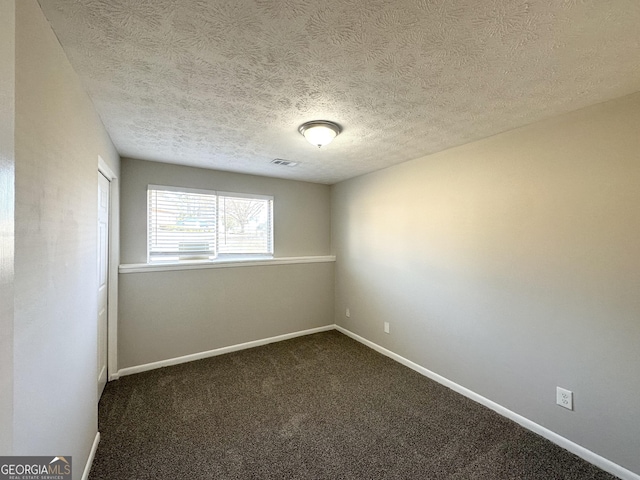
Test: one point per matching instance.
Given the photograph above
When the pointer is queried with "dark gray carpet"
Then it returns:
(316, 407)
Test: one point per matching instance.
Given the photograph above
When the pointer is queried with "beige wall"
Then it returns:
(7, 177)
(164, 315)
(511, 266)
(301, 210)
(58, 137)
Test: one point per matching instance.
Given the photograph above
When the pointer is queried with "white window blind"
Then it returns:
(189, 224)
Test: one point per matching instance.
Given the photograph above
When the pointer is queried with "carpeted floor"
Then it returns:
(316, 407)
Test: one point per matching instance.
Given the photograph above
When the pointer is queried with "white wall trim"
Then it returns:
(580, 451)
(220, 351)
(92, 455)
(166, 267)
(114, 261)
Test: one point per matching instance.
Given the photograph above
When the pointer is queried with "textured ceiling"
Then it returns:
(225, 84)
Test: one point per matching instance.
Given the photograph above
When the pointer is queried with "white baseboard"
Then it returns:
(563, 442)
(580, 451)
(217, 351)
(92, 455)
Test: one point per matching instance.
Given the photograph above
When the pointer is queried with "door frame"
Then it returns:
(114, 260)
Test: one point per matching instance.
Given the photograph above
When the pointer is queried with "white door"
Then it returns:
(103, 278)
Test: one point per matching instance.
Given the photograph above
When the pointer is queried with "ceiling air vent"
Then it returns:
(284, 163)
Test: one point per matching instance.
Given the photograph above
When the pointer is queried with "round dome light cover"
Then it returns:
(319, 132)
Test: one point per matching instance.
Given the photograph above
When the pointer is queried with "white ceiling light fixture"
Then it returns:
(319, 132)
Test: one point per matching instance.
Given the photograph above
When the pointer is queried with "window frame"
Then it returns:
(215, 256)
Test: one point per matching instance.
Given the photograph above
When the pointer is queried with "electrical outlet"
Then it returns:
(564, 398)
(386, 327)
(347, 313)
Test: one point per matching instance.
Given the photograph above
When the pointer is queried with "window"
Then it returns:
(190, 224)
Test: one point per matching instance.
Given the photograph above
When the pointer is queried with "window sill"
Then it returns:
(167, 267)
